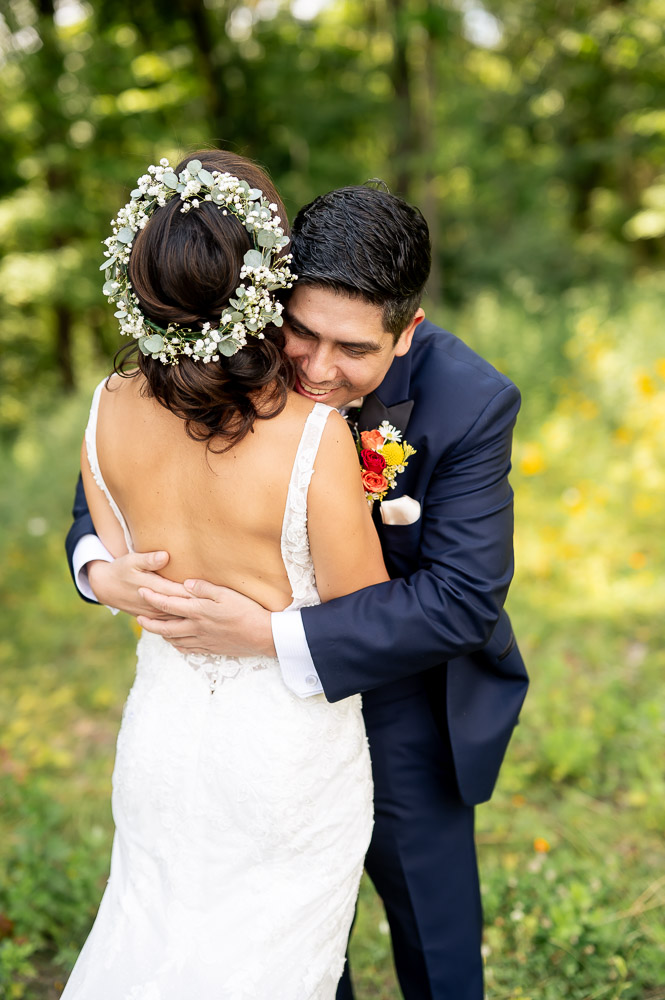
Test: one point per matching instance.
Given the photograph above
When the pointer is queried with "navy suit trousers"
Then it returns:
(422, 858)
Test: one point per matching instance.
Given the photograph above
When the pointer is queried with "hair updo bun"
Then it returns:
(183, 269)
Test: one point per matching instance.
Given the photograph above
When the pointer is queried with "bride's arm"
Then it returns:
(344, 544)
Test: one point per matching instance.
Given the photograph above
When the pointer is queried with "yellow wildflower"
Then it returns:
(393, 453)
(533, 460)
(541, 845)
(645, 384)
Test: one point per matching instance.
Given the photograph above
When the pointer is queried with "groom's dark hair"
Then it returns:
(368, 243)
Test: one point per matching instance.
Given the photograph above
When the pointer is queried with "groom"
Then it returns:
(432, 650)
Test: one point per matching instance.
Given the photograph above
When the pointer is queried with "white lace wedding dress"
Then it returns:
(242, 816)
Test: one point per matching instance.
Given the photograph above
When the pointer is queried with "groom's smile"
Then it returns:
(338, 344)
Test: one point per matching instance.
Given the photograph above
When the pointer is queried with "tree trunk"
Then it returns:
(204, 40)
(401, 76)
(63, 346)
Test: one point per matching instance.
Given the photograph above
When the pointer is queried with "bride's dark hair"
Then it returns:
(183, 269)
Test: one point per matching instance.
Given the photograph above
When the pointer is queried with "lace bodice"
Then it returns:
(294, 539)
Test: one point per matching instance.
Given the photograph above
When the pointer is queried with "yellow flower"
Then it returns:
(645, 384)
(533, 460)
(623, 435)
(393, 453)
(541, 845)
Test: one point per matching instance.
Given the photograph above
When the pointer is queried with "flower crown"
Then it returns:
(263, 270)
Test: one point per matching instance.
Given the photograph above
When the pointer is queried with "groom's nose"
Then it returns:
(320, 365)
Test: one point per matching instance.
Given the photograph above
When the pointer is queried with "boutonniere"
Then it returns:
(383, 455)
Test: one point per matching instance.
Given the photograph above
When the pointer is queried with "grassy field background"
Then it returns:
(571, 847)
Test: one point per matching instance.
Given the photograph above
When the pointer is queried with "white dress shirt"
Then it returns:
(288, 633)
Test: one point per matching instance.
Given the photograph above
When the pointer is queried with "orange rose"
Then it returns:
(374, 482)
(371, 439)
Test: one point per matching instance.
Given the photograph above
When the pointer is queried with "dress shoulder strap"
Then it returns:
(295, 541)
(93, 460)
(303, 465)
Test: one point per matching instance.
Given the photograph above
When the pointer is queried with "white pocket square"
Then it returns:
(403, 510)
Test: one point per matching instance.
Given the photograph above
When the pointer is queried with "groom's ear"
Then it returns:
(406, 336)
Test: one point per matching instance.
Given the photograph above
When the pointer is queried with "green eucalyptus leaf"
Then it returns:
(154, 343)
(244, 186)
(252, 325)
(170, 180)
(193, 167)
(142, 345)
(227, 347)
(266, 239)
(107, 263)
(180, 188)
(237, 316)
(137, 193)
(254, 194)
(253, 258)
(109, 287)
(125, 235)
(277, 320)
(206, 177)
(235, 302)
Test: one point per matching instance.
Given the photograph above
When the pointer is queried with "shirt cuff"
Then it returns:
(295, 660)
(88, 548)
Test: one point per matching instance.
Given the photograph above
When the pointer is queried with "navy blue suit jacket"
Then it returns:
(451, 568)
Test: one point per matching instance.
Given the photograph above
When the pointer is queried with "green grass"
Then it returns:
(580, 915)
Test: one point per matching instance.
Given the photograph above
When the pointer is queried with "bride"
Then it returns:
(242, 812)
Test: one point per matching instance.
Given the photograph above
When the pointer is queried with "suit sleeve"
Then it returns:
(450, 605)
(82, 526)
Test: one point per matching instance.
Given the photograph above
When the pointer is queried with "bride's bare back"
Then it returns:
(219, 515)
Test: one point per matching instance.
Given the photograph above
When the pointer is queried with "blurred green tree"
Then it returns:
(531, 136)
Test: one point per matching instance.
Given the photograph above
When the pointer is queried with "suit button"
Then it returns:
(311, 679)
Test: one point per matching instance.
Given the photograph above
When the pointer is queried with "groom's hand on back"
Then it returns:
(117, 583)
(209, 619)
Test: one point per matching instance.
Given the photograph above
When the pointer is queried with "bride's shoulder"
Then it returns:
(122, 388)
(129, 382)
(119, 398)
(300, 407)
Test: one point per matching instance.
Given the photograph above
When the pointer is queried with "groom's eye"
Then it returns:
(299, 332)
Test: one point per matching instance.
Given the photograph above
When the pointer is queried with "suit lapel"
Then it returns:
(391, 400)
(374, 412)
